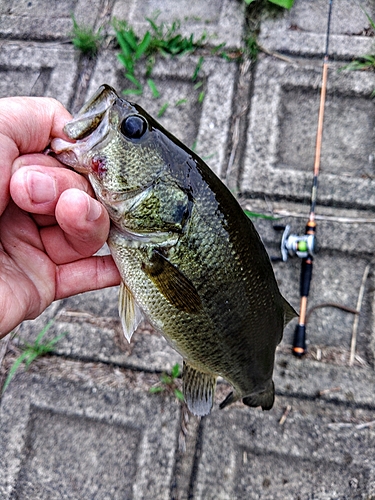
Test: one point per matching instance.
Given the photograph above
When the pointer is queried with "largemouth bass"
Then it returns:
(191, 261)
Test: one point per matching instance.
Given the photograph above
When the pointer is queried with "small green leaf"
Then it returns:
(201, 97)
(258, 215)
(130, 39)
(156, 389)
(197, 68)
(287, 4)
(127, 62)
(142, 47)
(153, 25)
(179, 395)
(216, 49)
(132, 91)
(13, 370)
(134, 81)
(31, 356)
(162, 110)
(54, 341)
(371, 21)
(154, 90)
(180, 102)
(166, 379)
(43, 332)
(123, 44)
(175, 370)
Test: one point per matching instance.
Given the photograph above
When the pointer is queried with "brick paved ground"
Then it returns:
(81, 423)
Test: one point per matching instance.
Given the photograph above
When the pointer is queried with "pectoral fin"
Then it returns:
(130, 313)
(173, 284)
(198, 389)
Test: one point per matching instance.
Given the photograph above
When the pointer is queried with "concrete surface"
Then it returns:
(81, 422)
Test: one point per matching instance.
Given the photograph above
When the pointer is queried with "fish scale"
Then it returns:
(191, 261)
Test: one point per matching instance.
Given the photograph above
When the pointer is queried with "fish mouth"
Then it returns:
(88, 129)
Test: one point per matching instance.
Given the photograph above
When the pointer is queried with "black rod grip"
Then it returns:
(299, 341)
(306, 273)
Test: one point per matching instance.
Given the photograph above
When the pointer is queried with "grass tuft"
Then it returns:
(31, 352)
(160, 39)
(168, 383)
(85, 39)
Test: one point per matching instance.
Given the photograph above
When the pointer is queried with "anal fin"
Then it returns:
(130, 313)
(199, 389)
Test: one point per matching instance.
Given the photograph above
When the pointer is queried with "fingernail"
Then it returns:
(94, 211)
(41, 187)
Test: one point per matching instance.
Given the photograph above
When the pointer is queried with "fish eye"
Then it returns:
(133, 127)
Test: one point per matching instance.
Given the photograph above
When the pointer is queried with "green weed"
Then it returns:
(366, 62)
(161, 39)
(168, 383)
(31, 352)
(257, 215)
(85, 39)
(362, 63)
(163, 109)
(251, 46)
(287, 4)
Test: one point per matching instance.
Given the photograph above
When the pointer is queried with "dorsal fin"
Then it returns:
(130, 313)
(199, 389)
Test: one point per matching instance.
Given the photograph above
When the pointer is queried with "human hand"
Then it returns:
(50, 224)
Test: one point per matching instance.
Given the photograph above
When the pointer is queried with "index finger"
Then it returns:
(27, 125)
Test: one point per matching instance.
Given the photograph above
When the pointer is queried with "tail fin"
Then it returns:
(264, 399)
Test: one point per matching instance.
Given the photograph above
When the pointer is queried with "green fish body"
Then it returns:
(191, 261)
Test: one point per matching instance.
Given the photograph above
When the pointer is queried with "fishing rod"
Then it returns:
(304, 246)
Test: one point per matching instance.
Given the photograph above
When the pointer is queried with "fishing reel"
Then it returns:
(295, 245)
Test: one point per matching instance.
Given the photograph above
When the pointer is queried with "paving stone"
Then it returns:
(123, 451)
(347, 18)
(323, 380)
(302, 30)
(44, 19)
(281, 136)
(35, 69)
(205, 124)
(321, 451)
(215, 18)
